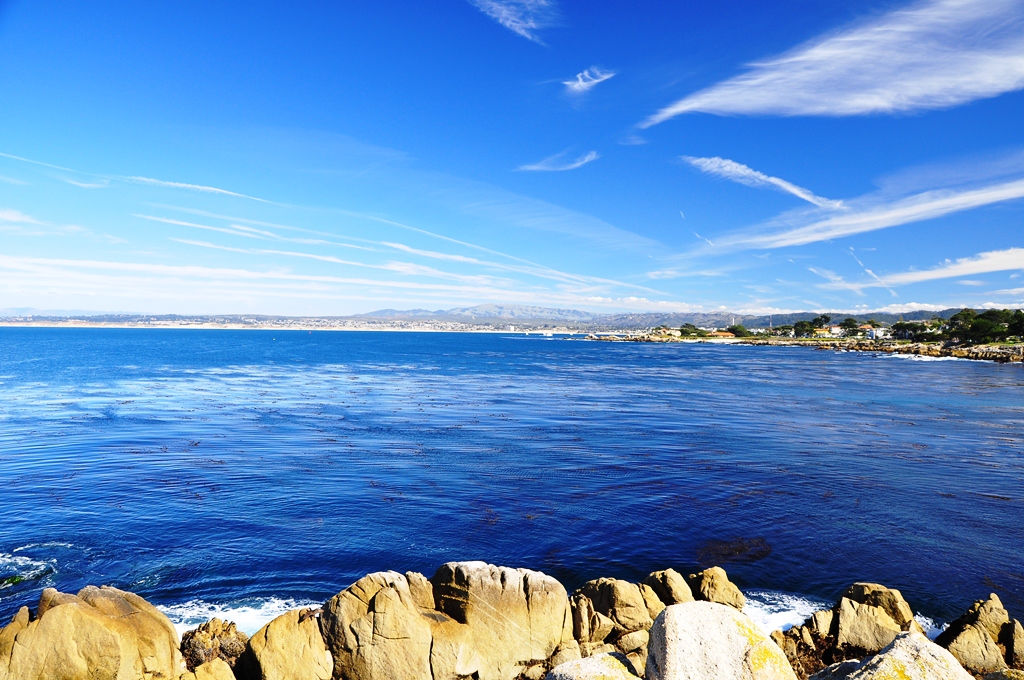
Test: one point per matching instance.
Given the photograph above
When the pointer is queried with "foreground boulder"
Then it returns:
(597, 667)
(985, 639)
(703, 640)
(102, 633)
(290, 647)
(866, 619)
(470, 619)
(910, 656)
(214, 639)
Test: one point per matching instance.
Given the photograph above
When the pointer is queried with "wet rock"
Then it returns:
(713, 585)
(911, 656)
(290, 647)
(214, 639)
(702, 640)
(670, 587)
(1008, 674)
(597, 667)
(98, 633)
(217, 669)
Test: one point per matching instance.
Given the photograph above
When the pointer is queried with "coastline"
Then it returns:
(479, 620)
(997, 353)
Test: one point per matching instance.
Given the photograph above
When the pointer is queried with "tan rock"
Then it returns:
(588, 649)
(976, 651)
(214, 639)
(820, 622)
(631, 642)
(597, 667)
(976, 637)
(217, 669)
(670, 586)
(889, 599)
(566, 652)
(713, 585)
(100, 633)
(513, 617)
(489, 622)
(654, 604)
(378, 628)
(864, 626)
(621, 601)
(288, 648)
(1015, 654)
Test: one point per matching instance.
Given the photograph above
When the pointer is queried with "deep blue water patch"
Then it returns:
(225, 465)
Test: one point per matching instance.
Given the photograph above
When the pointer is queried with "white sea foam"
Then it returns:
(22, 567)
(931, 628)
(774, 610)
(249, 615)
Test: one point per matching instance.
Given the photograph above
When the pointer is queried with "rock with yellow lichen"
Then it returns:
(597, 667)
(701, 640)
(911, 656)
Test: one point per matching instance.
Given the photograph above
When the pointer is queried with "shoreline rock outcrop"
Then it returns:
(477, 621)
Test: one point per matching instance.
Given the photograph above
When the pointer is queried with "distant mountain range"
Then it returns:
(487, 315)
(492, 314)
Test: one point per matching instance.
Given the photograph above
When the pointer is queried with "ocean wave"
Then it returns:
(774, 610)
(248, 615)
(15, 569)
(930, 626)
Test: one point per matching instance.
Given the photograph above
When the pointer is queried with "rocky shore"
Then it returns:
(477, 621)
(999, 353)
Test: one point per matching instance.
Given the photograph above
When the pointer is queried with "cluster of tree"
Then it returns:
(689, 329)
(739, 331)
(805, 329)
(966, 327)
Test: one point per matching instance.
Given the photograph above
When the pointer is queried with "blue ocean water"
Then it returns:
(243, 471)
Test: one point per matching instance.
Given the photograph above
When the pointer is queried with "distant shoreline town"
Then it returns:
(989, 334)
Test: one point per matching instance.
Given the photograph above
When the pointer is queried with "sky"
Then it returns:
(318, 158)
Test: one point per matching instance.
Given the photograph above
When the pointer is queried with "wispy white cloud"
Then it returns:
(249, 232)
(932, 54)
(557, 164)
(868, 214)
(17, 217)
(190, 187)
(11, 180)
(737, 172)
(105, 184)
(588, 79)
(983, 263)
(524, 17)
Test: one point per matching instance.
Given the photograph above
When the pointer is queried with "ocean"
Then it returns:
(242, 473)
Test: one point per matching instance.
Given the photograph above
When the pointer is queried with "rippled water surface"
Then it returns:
(247, 469)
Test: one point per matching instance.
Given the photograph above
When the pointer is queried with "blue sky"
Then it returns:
(334, 158)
